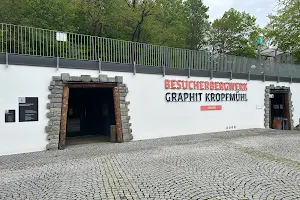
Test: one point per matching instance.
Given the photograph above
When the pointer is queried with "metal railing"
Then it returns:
(15, 39)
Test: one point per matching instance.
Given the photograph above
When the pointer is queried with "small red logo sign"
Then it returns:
(211, 107)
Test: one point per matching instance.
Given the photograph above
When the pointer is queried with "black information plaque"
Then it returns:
(10, 116)
(28, 109)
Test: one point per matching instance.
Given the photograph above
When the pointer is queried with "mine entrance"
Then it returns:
(280, 109)
(89, 114)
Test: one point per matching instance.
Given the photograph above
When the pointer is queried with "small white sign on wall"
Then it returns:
(259, 106)
(22, 100)
(62, 37)
(271, 96)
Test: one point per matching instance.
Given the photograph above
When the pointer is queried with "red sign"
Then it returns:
(205, 85)
(211, 107)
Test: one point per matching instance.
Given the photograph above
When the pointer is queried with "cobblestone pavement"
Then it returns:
(249, 164)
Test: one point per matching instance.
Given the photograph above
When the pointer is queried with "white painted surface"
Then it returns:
(62, 37)
(151, 116)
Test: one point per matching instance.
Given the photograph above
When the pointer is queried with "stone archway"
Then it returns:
(268, 103)
(56, 97)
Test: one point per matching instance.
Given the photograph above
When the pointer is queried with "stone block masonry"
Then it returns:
(125, 118)
(56, 98)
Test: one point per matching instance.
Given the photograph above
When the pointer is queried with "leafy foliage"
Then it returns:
(198, 24)
(174, 23)
(284, 27)
(235, 33)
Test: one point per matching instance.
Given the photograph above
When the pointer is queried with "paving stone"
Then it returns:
(248, 164)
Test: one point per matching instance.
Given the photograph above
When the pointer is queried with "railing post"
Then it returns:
(189, 72)
(57, 63)
(132, 53)
(291, 79)
(249, 78)
(211, 74)
(264, 71)
(230, 74)
(277, 70)
(164, 70)
(134, 68)
(6, 59)
(57, 56)
(99, 64)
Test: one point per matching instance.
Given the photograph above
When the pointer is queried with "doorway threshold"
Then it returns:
(87, 140)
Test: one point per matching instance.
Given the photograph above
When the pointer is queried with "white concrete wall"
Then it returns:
(151, 116)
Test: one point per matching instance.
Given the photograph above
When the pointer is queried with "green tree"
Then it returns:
(198, 23)
(284, 28)
(235, 33)
(141, 10)
(168, 25)
(12, 11)
(176, 23)
(104, 18)
(49, 14)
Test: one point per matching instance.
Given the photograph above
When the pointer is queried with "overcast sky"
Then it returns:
(259, 8)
